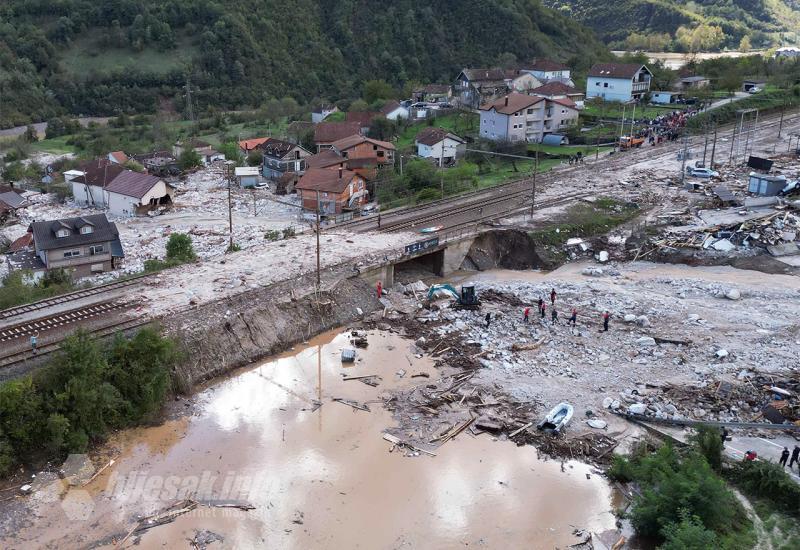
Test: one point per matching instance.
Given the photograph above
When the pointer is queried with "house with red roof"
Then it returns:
(521, 117)
(558, 90)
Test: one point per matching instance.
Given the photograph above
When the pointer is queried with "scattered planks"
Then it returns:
(351, 403)
(397, 442)
(178, 509)
(527, 347)
(452, 432)
(519, 430)
(670, 340)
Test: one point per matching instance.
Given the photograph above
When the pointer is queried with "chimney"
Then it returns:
(506, 101)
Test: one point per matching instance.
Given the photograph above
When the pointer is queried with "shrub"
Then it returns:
(708, 442)
(289, 232)
(272, 235)
(689, 534)
(179, 248)
(189, 159)
(233, 248)
(427, 195)
(768, 480)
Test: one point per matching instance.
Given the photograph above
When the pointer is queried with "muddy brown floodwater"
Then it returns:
(320, 477)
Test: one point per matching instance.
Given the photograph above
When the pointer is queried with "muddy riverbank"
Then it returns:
(317, 471)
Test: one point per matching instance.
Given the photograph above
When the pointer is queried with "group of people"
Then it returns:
(666, 127)
(573, 319)
(795, 457)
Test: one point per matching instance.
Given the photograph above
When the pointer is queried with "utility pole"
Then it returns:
(597, 148)
(535, 169)
(189, 107)
(633, 118)
(733, 142)
(683, 158)
(441, 168)
(230, 207)
(622, 124)
(714, 146)
(255, 212)
(705, 146)
(318, 275)
(780, 126)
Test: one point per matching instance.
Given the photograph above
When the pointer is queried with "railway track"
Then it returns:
(70, 297)
(10, 359)
(57, 321)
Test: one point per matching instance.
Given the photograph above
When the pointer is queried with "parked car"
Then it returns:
(703, 173)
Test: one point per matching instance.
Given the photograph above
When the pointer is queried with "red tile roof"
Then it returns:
(23, 242)
(512, 103)
(352, 141)
(554, 87)
(250, 144)
(565, 101)
(99, 172)
(364, 118)
(119, 156)
(324, 159)
(390, 106)
(328, 132)
(328, 181)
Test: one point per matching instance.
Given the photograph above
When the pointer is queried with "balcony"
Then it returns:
(641, 86)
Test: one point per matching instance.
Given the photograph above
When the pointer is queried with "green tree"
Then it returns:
(419, 174)
(375, 90)
(359, 106)
(382, 128)
(231, 151)
(255, 157)
(180, 249)
(134, 166)
(30, 135)
(139, 370)
(744, 44)
(708, 442)
(189, 159)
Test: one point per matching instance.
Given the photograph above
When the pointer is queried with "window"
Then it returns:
(96, 249)
(530, 111)
(605, 84)
(62, 233)
(72, 253)
(380, 154)
(86, 229)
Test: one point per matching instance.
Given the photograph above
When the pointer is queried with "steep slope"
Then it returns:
(98, 58)
(764, 22)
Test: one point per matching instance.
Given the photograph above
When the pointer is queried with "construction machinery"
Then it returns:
(628, 142)
(468, 299)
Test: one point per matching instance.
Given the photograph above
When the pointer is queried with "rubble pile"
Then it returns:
(677, 348)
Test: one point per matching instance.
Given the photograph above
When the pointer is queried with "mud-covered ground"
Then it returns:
(683, 342)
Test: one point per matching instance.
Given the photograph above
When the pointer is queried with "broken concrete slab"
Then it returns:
(785, 249)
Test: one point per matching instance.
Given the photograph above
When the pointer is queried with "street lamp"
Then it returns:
(229, 164)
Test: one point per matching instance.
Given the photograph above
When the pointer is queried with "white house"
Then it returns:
(440, 145)
(134, 194)
(664, 98)
(394, 111)
(247, 176)
(322, 112)
(547, 70)
(520, 117)
(90, 179)
(788, 51)
(618, 81)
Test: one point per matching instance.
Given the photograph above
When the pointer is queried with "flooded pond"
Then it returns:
(319, 476)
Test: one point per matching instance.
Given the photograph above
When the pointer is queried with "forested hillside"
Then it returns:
(688, 26)
(100, 58)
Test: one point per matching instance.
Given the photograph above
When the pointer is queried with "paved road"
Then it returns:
(41, 127)
(720, 102)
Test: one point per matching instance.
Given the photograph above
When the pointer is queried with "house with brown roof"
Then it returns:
(475, 86)
(439, 145)
(558, 90)
(332, 191)
(135, 194)
(360, 147)
(364, 118)
(89, 180)
(620, 82)
(325, 133)
(83, 246)
(521, 117)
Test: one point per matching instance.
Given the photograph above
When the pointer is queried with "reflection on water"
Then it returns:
(322, 476)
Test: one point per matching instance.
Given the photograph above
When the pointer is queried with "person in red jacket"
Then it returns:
(606, 316)
(379, 288)
(553, 296)
(525, 314)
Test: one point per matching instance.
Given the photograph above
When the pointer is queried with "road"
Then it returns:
(41, 127)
